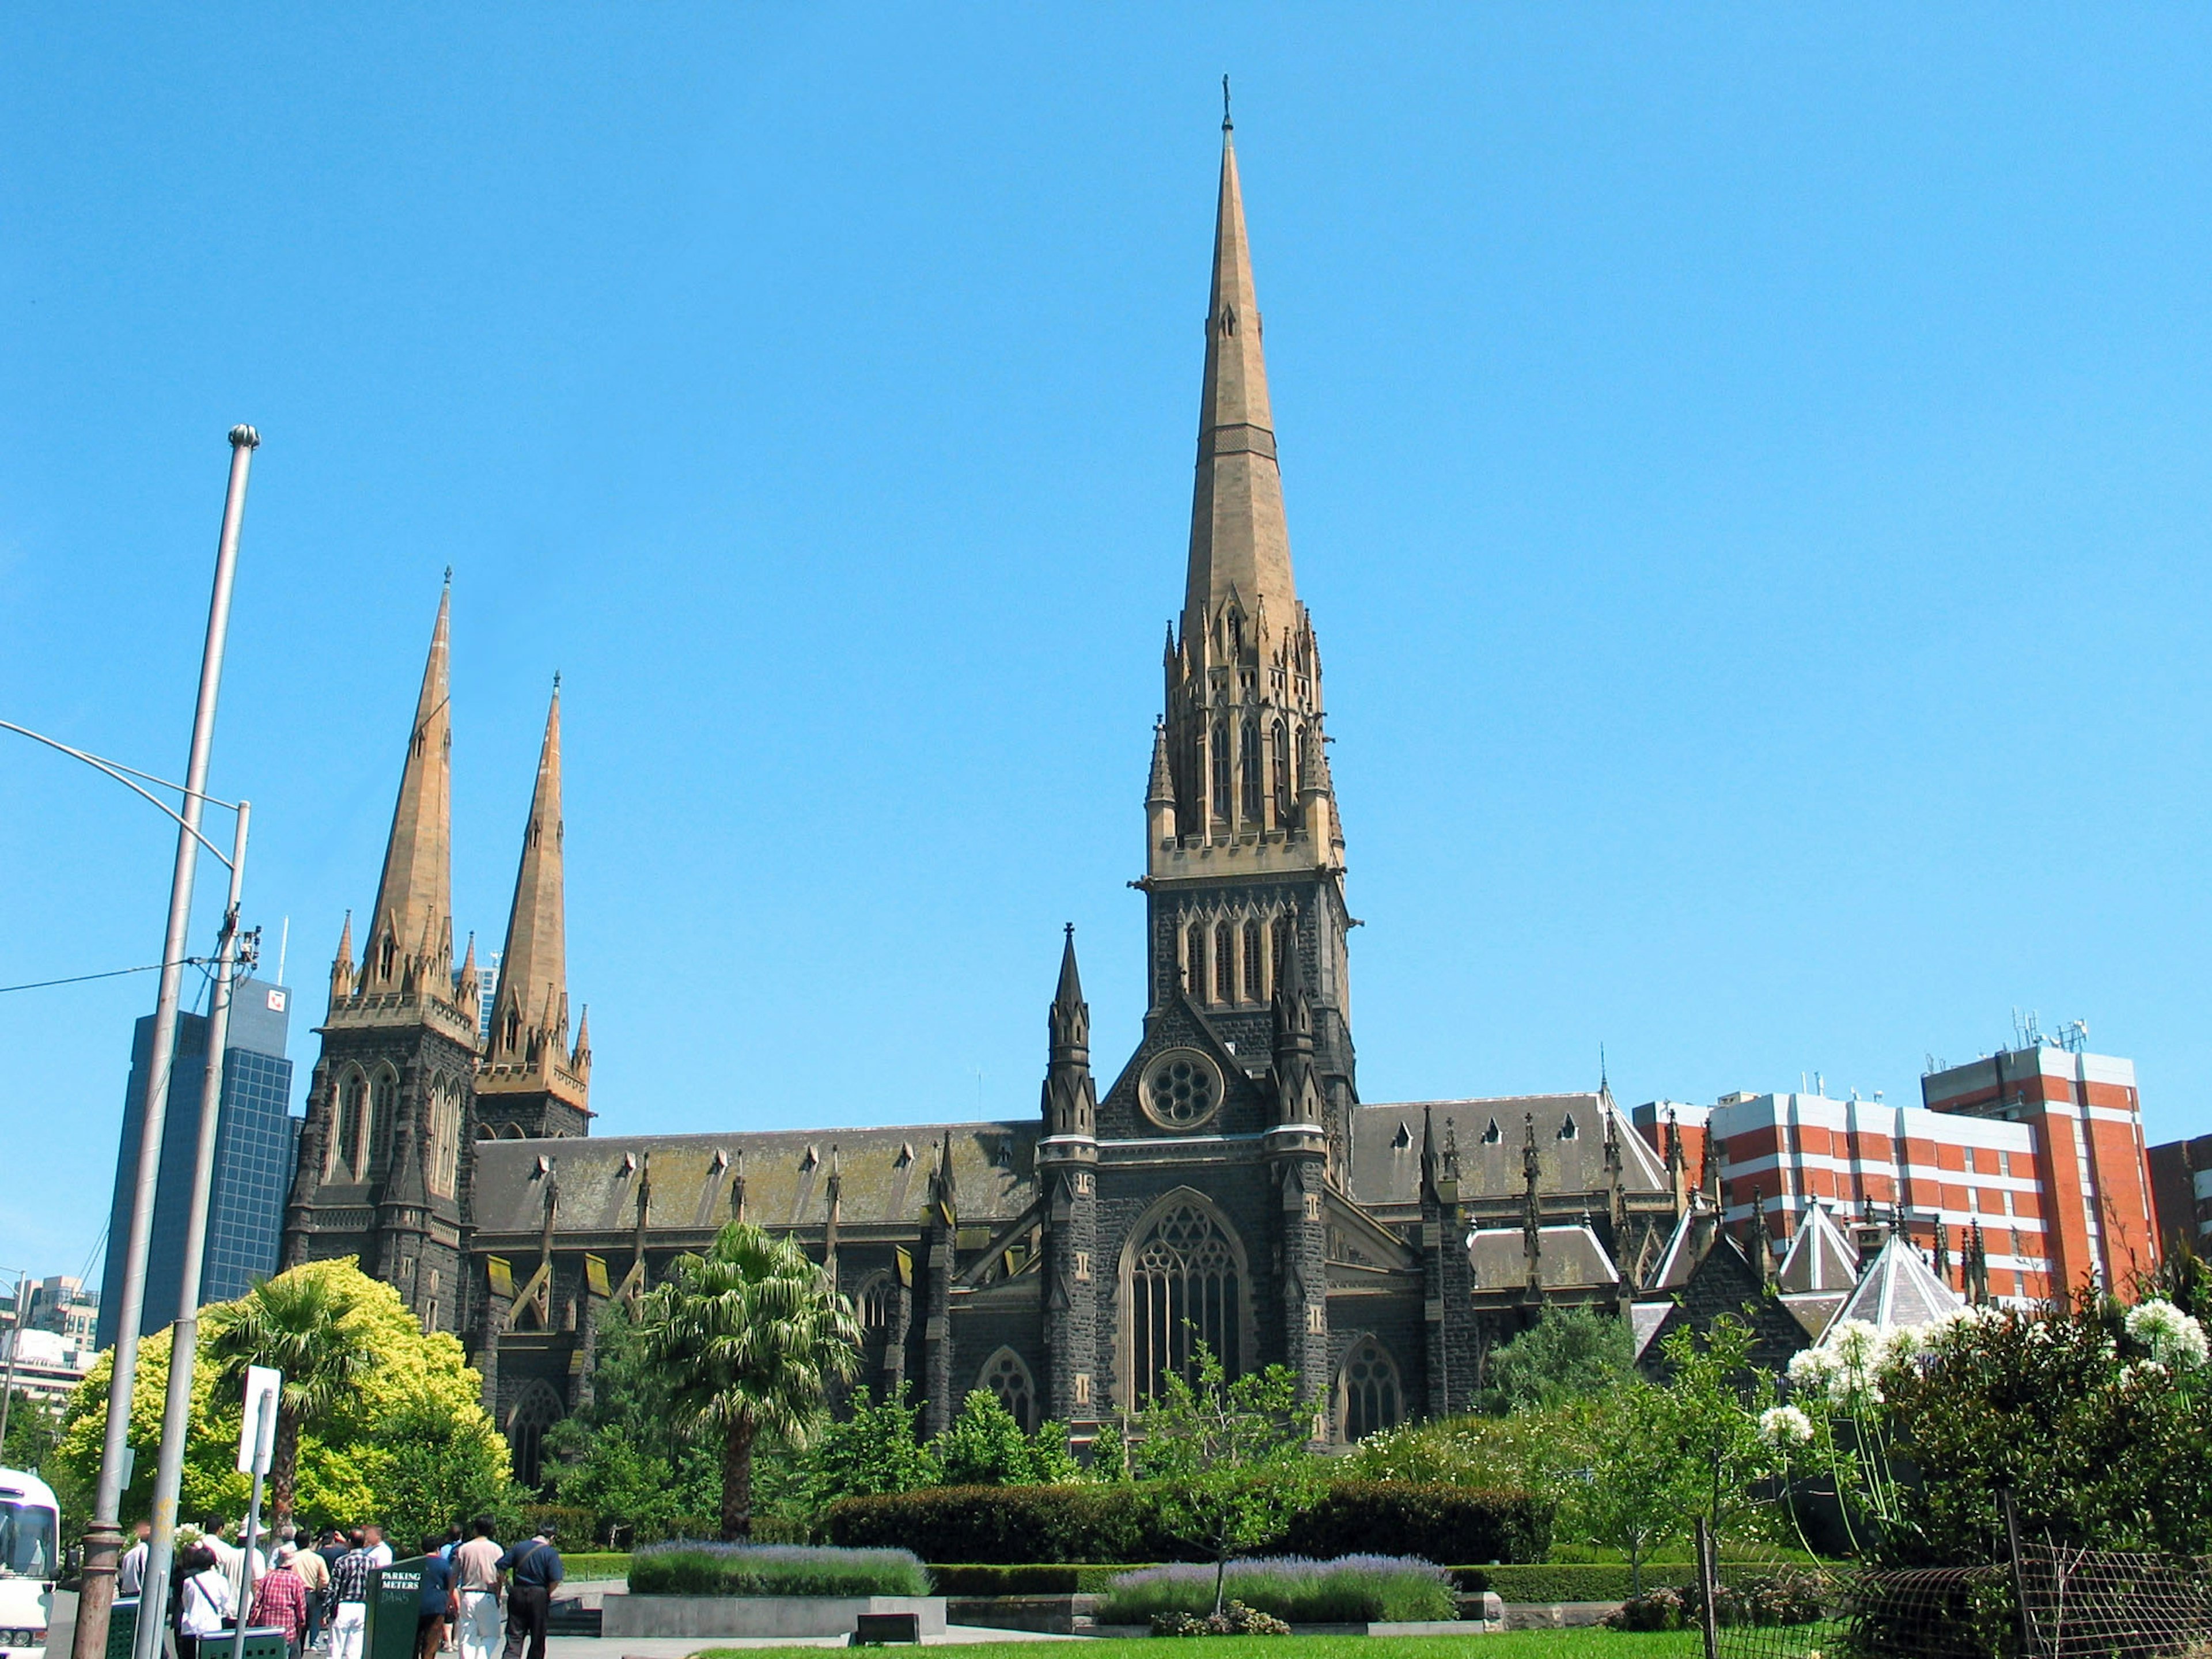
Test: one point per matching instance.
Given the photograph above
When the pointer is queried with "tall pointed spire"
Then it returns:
(1240, 539)
(528, 1062)
(410, 935)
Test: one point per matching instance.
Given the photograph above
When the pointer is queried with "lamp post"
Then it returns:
(103, 1539)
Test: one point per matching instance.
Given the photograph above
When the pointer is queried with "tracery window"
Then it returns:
(1194, 961)
(1005, 1375)
(1254, 959)
(1221, 771)
(444, 1148)
(1184, 1286)
(1249, 759)
(353, 1106)
(383, 1112)
(1224, 961)
(538, 1410)
(877, 1298)
(1368, 1399)
(1282, 748)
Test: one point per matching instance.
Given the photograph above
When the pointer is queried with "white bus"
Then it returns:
(30, 1560)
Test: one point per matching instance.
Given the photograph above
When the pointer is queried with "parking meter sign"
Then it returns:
(256, 1429)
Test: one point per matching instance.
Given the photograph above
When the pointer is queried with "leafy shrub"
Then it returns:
(1354, 1589)
(1003, 1525)
(573, 1525)
(1235, 1619)
(1545, 1583)
(1436, 1522)
(774, 1570)
(984, 1446)
(1664, 1607)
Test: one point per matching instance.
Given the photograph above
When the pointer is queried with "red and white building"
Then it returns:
(2038, 1151)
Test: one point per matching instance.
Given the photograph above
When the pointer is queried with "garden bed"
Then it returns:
(774, 1570)
(1349, 1590)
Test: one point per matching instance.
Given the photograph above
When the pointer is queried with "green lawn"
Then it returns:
(1503, 1645)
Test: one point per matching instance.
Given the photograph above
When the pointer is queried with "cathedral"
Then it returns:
(1226, 1185)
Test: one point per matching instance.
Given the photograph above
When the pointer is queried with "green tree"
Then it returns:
(33, 1428)
(1638, 1489)
(749, 1333)
(879, 1448)
(1570, 1354)
(302, 1323)
(1233, 1460)
(622, 1455)
(984, 1446)
(351, 1464)
(1714, 1395)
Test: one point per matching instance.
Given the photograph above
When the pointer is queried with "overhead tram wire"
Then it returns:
(113, 973)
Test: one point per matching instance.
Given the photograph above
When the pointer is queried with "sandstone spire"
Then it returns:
(1240, 540)
(410, 935)
(530, 1072)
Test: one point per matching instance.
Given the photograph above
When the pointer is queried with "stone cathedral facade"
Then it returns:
(1227, 1184)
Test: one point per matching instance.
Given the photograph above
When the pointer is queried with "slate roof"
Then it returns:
(1821, 1256)
(1569, 1258)
(1386, 1147)
(1899, 1290)
(884, 1177)
(1644, 1319)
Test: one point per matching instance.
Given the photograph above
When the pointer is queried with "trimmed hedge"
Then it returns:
(1357, 1589)
(602, 1565)
(1554, 1581)
(1434, 1522)
(774, 1570)
(1018, 1526)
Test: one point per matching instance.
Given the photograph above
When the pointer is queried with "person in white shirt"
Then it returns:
(203, 1603)
(131, 1571)
(379, 1550)
(475, 1575)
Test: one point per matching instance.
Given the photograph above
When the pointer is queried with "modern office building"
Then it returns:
(254, 1149)
(2025, 1169)
(2181, 1193)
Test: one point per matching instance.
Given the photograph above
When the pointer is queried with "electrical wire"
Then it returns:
(113, 973)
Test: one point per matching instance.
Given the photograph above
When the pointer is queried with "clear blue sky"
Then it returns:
(1748, 467)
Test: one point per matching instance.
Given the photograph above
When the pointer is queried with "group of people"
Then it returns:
(316, 1591)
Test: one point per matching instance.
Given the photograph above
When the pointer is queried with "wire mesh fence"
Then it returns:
(2079, 1604)
(2114, 1604)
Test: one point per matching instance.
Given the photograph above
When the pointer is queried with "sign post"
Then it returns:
(257, 1440)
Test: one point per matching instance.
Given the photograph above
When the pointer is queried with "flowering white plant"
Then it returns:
(1784, 1426)
(2174, 1338)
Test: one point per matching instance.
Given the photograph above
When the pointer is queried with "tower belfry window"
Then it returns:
(1254, 958)
(1281, 745)
(1248, 761)
(1224, 961)
(1221, 772)
(1194, 961)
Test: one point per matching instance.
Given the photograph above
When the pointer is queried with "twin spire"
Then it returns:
(410, 941)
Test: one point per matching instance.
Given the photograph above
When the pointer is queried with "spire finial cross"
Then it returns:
(1226, 123)
(449, 576)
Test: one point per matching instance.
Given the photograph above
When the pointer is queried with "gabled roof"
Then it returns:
(1644, 1319)
(1571, 1132)
(1570, 1257)
(1821, 1258)
(1679, 1259)
(1898, 1291)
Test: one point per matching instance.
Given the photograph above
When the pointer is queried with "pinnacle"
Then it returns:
(1070, 991)
(533, 971)
(415, 894)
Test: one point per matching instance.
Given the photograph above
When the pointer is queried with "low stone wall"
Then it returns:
(759, 1615)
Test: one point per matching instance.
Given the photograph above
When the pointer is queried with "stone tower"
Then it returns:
(1067, 1171)
(1244, 857)
(383, 1166)
(534, 1084)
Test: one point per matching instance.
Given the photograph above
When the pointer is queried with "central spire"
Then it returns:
(1240, 540)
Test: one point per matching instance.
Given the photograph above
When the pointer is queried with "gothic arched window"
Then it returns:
(1249, 760)
(1281, 745)
(538, 1410)
(878, 1297)
(352, 1108)
(1221, 771)
(1368, 1397)
(1224, 961)
(1005, 1375)
(1254, 958)
(444, 1148)
(1182, 1285)
(383, 1115)
(1194, 961)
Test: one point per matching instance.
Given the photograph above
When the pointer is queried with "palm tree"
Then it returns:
(301, 1324)
(746, 1337)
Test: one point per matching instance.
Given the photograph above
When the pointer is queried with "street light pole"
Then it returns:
(103, 1539)
(184, 1335)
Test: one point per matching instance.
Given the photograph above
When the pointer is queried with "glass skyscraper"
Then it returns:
(254, 1146)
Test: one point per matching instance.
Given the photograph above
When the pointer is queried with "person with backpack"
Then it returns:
(533, 1570)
